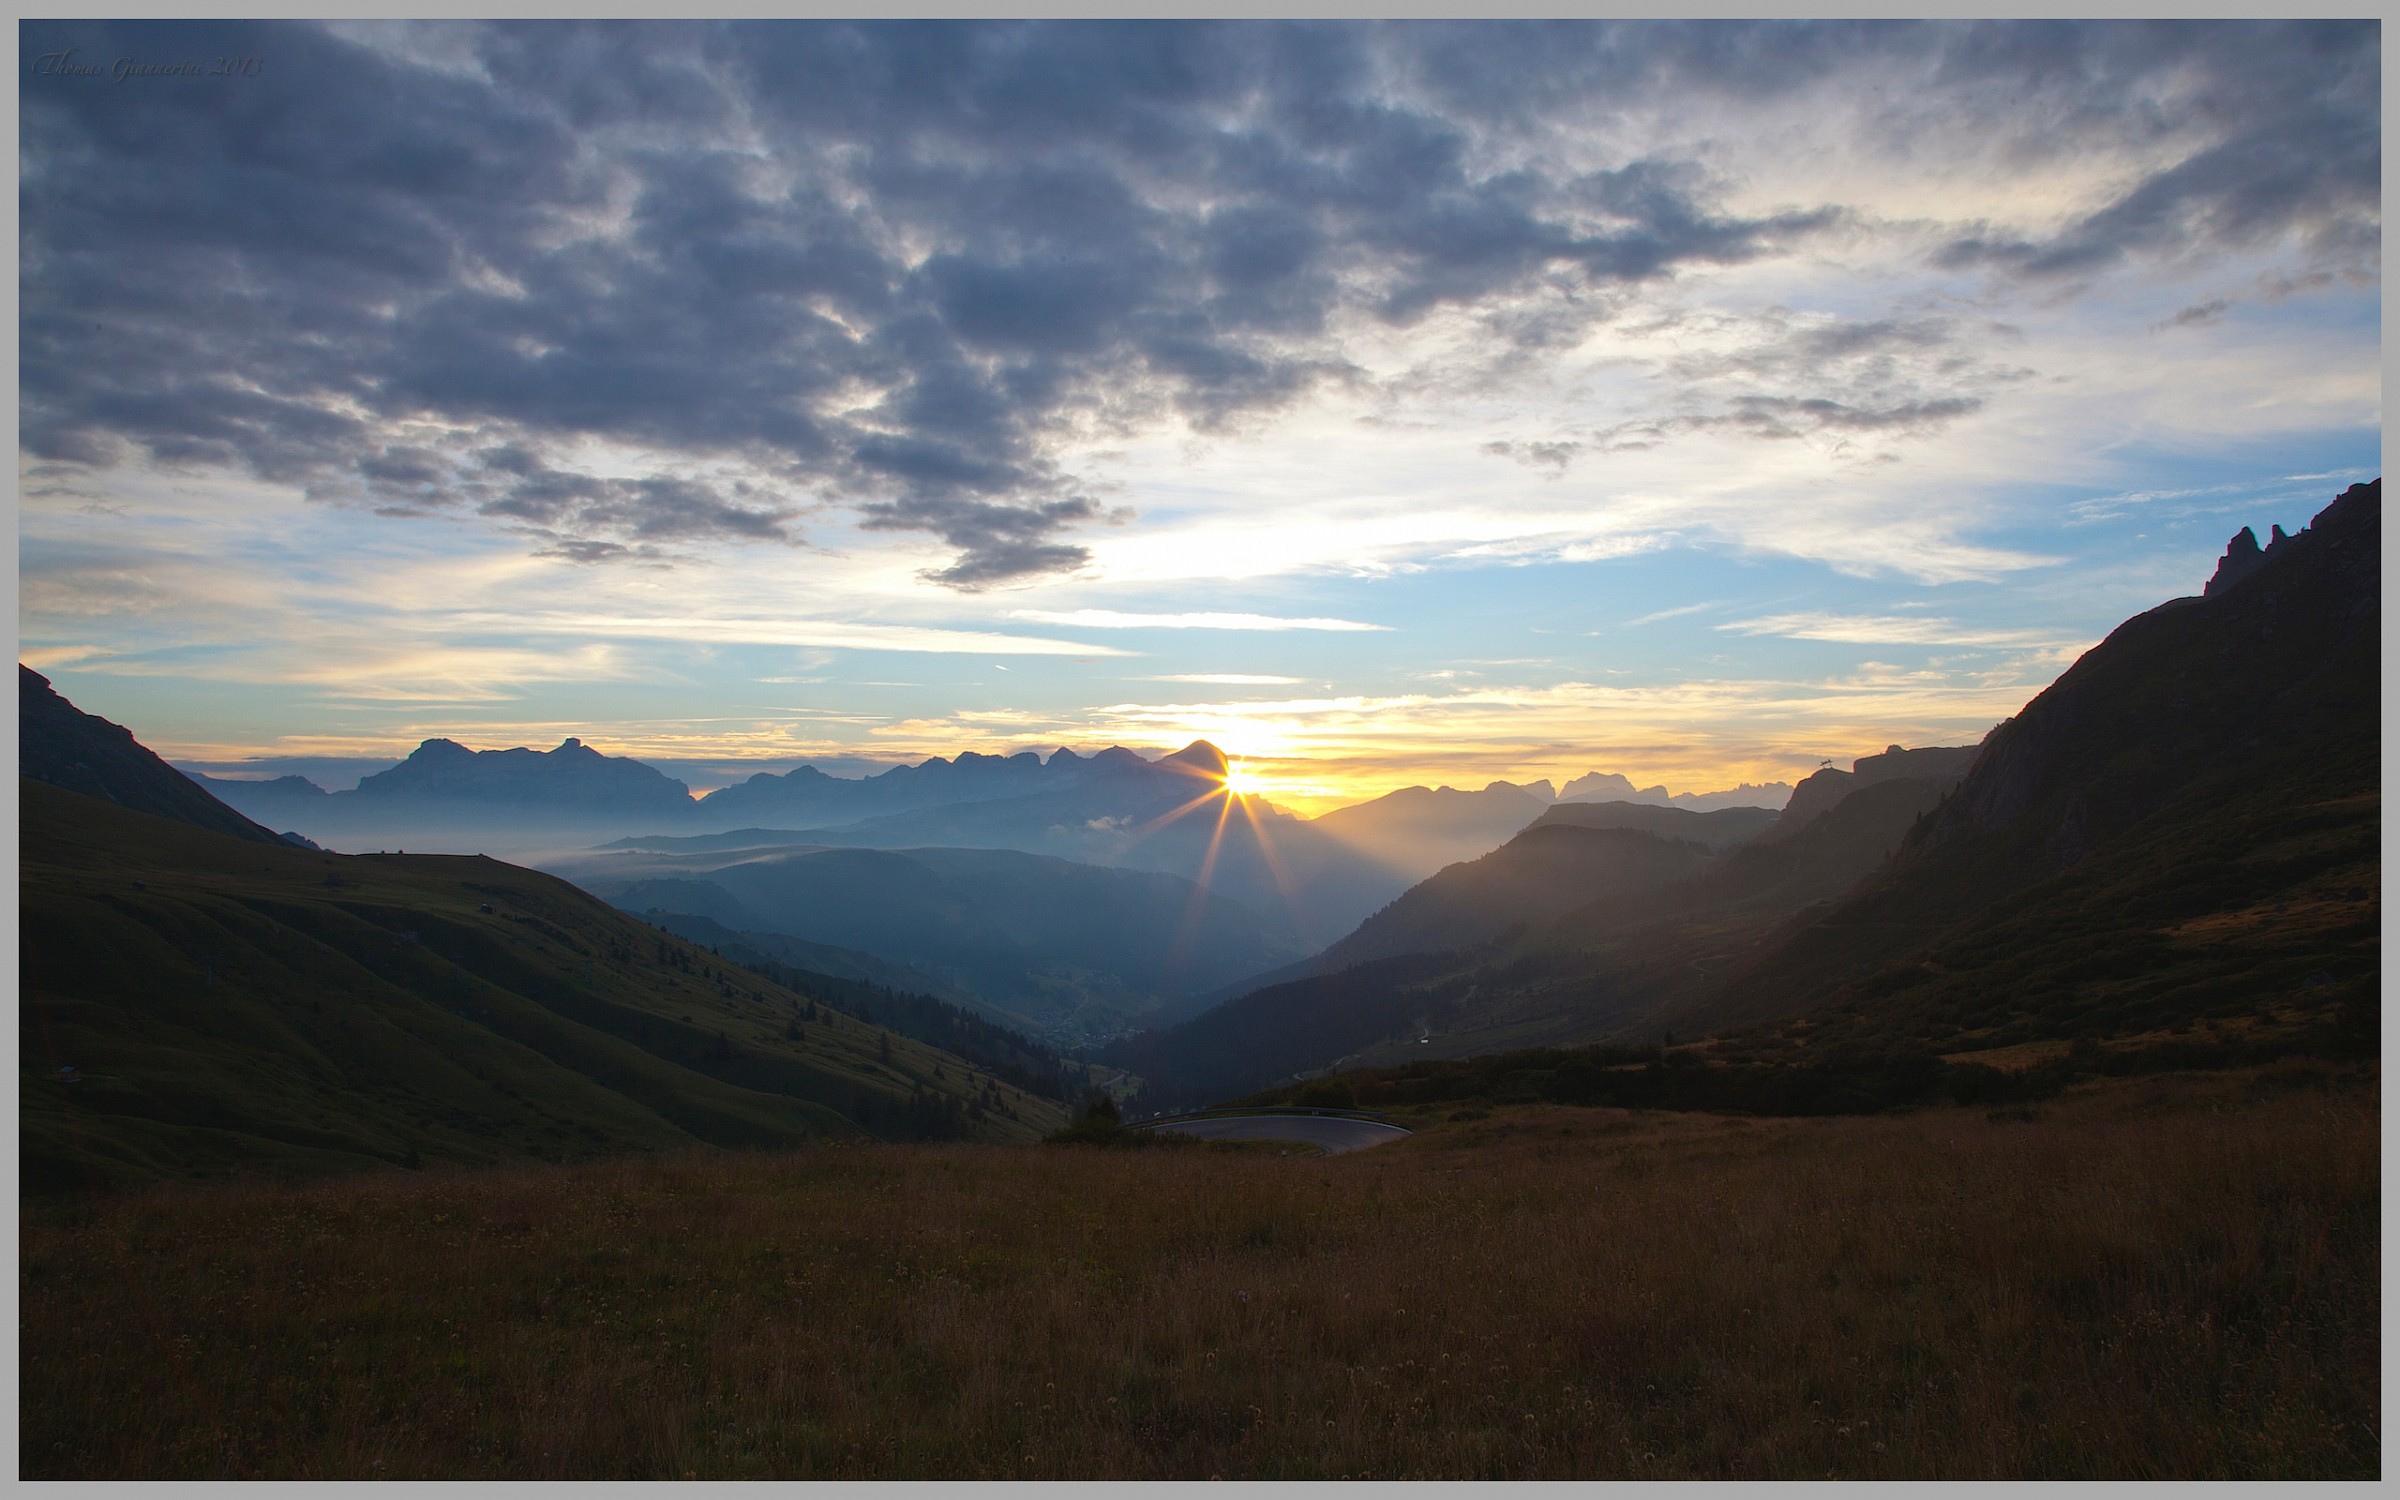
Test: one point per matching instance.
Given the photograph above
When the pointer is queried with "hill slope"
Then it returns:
(194, 1002)
(2114, 861)
(1548, 869)
(1419, 830)
(1720, 828)
(1613, 965)
(61, 745)
(1819, 793)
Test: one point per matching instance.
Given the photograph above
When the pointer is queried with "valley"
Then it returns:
(2125, 865)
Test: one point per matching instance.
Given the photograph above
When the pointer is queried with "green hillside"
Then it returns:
(194, 1004)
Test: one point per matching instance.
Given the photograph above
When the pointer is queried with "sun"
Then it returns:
(1240, 782)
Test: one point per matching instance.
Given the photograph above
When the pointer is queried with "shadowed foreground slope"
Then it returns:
(2160, 1278)
(60, 744)
(194, 1003)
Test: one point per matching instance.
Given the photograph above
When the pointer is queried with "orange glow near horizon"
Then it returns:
(1308, 757)
(1301, 785)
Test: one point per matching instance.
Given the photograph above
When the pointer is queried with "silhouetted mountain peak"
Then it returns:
(2243, 556)
(808, 798)
(2241, 559)
(443, 769)
(1606, 786)
(1200, 756)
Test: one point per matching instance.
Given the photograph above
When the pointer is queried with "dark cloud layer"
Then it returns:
(892, 267)
(1853, 386)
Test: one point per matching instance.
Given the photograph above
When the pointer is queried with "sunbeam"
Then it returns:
(1285, 885)
(1180, 955)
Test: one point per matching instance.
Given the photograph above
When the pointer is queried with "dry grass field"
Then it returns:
(2173, 1276)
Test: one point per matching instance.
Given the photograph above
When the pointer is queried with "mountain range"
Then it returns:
(2174, 846)
(2170, 856)
(1311, 879)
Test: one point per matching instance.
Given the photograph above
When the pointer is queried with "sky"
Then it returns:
(1389, 403)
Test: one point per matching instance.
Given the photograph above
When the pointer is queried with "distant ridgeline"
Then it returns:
(2170, 857)
(1114, 809)
(1311, 881)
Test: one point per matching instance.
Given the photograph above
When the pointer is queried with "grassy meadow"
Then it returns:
(2172, 1276)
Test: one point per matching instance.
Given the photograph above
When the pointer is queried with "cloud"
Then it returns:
(1880, 630)
(2199, 314)
(1111, 619)
(1323, 751)
(2210, 499)
(2269, 132)
(41, 657)
(1229, 679)
(1853, 386)
(454, 674)
(892, 269)
(833, 634)
(1675, 613)
(631, 292)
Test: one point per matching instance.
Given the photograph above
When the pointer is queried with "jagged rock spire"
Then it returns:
(2242, 558)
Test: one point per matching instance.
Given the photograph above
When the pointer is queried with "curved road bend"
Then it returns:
(1331, 1134)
